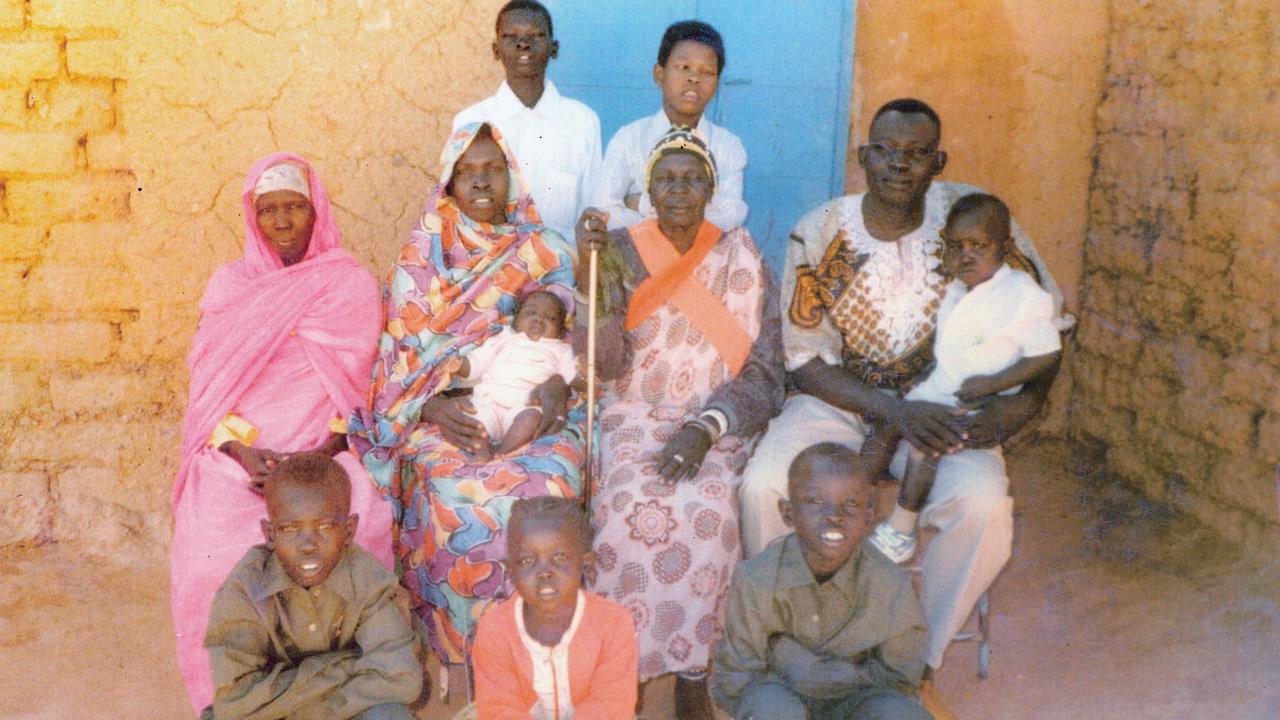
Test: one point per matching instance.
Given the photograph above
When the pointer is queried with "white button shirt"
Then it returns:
(556, 142)
(985, 330)
(628, 153)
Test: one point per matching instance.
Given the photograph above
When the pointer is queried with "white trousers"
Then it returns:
(969, 505)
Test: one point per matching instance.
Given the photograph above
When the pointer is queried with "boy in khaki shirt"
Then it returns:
(820, 624)
(307, 625)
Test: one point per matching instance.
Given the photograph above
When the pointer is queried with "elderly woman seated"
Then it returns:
(691, 340)
(478, 250)
(285, 344)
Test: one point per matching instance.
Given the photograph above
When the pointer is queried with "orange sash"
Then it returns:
(671, 280)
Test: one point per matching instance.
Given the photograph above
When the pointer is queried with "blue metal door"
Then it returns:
(784, 90)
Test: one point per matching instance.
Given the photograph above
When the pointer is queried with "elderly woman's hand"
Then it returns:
(258, 462)
(455, 416)
(553, 397)
(592, 231)
(681, 458)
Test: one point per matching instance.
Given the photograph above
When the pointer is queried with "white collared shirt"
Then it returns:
(984, 330)
(550, 666)
(556, 142)
(628, 153)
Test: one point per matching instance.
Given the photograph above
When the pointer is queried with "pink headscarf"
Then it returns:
(252, 304)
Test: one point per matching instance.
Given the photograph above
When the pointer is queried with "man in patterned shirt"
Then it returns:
(862, 287)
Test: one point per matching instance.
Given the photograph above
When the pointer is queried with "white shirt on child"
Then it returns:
(987, 329)
(628, 153)
(550, 667)
(557, 144)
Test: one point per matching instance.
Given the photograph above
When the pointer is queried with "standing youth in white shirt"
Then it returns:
(690, 60)
(555, 139)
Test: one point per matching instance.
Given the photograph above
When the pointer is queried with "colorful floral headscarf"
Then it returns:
(456, 283)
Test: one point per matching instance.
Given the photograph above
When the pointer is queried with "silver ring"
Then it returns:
(678, 458)
(561, 418)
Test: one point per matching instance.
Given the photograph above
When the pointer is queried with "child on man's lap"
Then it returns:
(995, 332)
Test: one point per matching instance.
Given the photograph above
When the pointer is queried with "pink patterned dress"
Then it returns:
(665, 552)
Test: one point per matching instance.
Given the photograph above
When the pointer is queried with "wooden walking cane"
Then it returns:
(588, 475)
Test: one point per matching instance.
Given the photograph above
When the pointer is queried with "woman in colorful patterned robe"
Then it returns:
(690, 342)
(478, 250)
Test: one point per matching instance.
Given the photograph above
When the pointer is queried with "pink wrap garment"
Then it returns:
(287, 349)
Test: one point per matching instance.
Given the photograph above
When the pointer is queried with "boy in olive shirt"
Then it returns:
(307, 625)
(821, 624)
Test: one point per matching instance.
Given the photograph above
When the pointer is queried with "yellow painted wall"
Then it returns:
(126, 129)
(1017, 84)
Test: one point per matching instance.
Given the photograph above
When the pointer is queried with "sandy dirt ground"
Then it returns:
(1109, 609)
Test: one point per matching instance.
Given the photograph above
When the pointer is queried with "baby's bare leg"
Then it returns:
(880, 446)
(522, 430)
(917, 481)
(895, 537)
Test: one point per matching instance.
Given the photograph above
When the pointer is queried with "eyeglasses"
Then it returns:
(880, 152)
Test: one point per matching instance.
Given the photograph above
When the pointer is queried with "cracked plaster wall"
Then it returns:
(1177, 365)
(125, 132)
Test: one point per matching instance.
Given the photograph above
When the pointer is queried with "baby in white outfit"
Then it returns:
(995, 332)
(509, 365)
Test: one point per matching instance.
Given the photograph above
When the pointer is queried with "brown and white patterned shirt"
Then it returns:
(871, 306)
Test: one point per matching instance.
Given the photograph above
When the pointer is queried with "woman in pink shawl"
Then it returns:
(286, 343)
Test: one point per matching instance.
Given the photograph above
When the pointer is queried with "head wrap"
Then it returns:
(520, 207)
(259, 257)
(282, 176)
(682, 138)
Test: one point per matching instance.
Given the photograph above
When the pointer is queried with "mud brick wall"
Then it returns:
(126, 127)
(125, 132)
(1177, 365)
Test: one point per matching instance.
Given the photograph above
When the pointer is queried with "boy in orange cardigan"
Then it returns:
(554, 651)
